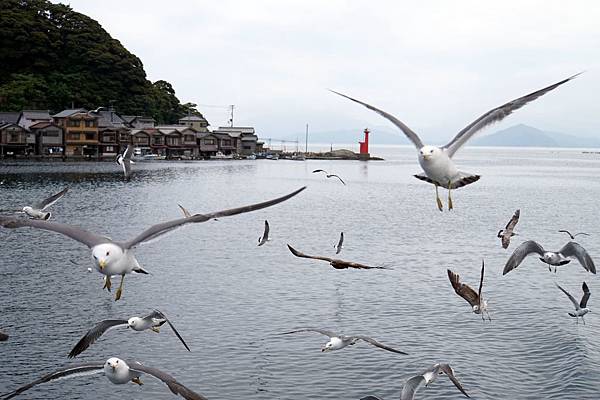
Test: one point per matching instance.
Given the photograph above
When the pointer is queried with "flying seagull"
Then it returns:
(573, 236)
(475, 299)
(551, 258)
(581, 307)
(337, 342)
(508, 232)
(116, 371)
(328, 175)
(124, 160)
(3, 337)
(117, 258)
(429, 376)
(436, 162)
(152, 321)
(340, 245)
(334, 262)
(265, 237)
(38, 210)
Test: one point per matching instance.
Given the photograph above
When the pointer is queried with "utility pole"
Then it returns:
(306, 141)
(231, 107)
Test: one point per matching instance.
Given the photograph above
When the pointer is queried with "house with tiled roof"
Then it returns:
(197, 122)
(14, 140)
(139, 122)
(244, 138)
(43, 132)
(113, 133)
(80, 132)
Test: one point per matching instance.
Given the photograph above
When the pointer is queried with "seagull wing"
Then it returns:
(464, 291)
(302, 255)
(88, 238)
(340, 243)
(42, 205)
(573, 249)
(380, 345)
(159, 314)
(186, 213)
(411, 386)
(481, 279)
(128, 153)
(333, 175)
(496, 115)
(568, 233)
(266, 232)
(575, 303)
(162, 228)
(412, 136)
(520, 253)
(586, 295)
(174, 386)
(509, 229)
(93, 334)
(319, 170)
(370, 398)
(450, 373)
(66, 372)
(318, 330)
(580, 233)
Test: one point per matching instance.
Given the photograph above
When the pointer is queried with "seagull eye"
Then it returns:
(431, 151)
(108, 252)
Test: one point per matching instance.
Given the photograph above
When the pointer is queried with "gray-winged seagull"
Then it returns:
(124, 160)
(475, 299)
(436, 162)
(581, 307)
(571, 235)
(328, 175)
(152, 321)
(337, 342)
(116, 371)
(552, 258)
(117, 258)
(508, 232)
(38, 210)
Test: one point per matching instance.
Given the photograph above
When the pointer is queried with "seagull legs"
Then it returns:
(449, 196)
(137, 380)
(437, 198)
(107, 283)
(120, 289)
(156, 329)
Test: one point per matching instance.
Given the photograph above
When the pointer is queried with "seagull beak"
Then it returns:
(426, 156)
(102, 263)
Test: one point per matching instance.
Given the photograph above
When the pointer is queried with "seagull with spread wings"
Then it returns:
(581, 307)
(116, 371)
(573, 236)
(334, 262)
(436, 162)
(265, 237)
(124, 160)
(552, 258)
(117, 258)
(337, 342)
(38, 210)
(508, 232)
(152, 321)
(475, 299)
(328, 175)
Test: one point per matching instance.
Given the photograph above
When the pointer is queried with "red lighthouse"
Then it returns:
(364, 146)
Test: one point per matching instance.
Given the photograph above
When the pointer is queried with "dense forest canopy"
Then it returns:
(52, 57)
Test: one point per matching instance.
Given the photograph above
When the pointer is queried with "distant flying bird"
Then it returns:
(506, 233)
(116, 371)
(3, 337)
(437, 162)
(328, 175)
(334, 262)
(337, 342)
(117, 258)
(97, 110)
(265, 237)
(124, 160)
(573, 236)
(339, 246)
(581, 307)
(152, 321)
(475, 299)
(38, 210)
(551, 258)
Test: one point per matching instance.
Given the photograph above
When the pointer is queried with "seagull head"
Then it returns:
(134, 323)
(476, 309)
(27, 209)
(105, 254)
(327, 347)
(114, 363)
(429, 152)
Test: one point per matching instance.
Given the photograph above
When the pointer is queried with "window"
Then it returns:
(50, 134)
(245, 147)
(14, 137)
(209, 142)
(73, 123)
(158, 140)
(90, 123)
(141, 140)
(73, 136)
(90, 136)
(190, 138)
(226, 142)
(109, 149)
(108, 138)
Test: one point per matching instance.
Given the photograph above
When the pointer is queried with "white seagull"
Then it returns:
(340, 245)
(38, 210)
(124, 160)
(572, 236)
(552, 258)
(117, 258)
(475, 299)
(116, 371)
(265, 237)
(437, 162)
(328, 175)
(581, 307)
(337, 342)
(152, 321)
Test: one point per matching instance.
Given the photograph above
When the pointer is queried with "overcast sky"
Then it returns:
(436, 66)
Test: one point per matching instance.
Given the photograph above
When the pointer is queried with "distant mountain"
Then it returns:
(528, 136)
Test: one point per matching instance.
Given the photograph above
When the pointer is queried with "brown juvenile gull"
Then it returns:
(117, 258)
(265, 237)
(475, 299)
(328, 175)
(124, 160)
(552, 258)
(573, 236)
(334, 262)
(116, 371)
(508, 232)
(581, 307)
(152, 321)
(337, 342)
(38, 210)
(436, 162)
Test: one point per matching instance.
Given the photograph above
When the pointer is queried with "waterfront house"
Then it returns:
(13, 140)
(9, 118)
(141, 139)
(198, 123)
(244, 137)
(113, 133)
(139, 122)
(80, 132)
(180, 141)
(226, 143)
(43, 134)
(208, 144)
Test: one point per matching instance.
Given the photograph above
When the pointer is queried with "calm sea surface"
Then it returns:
(230, 298)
